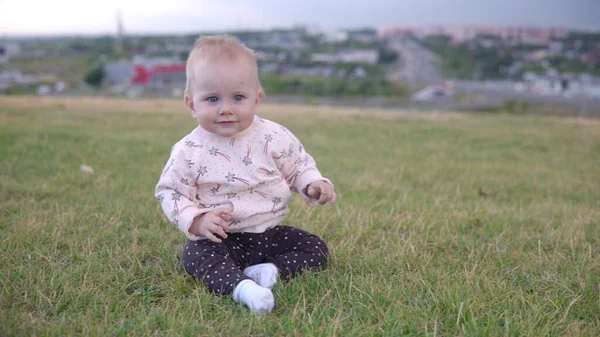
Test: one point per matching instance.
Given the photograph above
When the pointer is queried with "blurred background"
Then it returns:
(516, 56)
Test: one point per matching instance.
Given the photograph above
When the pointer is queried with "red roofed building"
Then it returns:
(159, 74)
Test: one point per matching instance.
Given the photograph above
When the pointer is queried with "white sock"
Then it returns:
(265, 274)
(260, 300)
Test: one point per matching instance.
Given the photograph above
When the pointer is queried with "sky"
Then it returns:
(77, 17)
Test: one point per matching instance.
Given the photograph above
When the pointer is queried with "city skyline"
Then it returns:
(70, 17)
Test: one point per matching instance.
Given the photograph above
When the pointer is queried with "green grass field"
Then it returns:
(415, 250)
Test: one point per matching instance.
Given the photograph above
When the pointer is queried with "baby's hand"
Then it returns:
(211, 224)
(322, 192)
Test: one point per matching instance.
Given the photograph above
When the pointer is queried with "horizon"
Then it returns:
(274, 28)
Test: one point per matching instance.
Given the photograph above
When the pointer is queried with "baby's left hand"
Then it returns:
(322, 192)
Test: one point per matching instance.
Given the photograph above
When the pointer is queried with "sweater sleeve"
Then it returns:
(298, 166)
(176, 191)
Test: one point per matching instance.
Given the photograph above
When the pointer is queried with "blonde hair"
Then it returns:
(218, 48)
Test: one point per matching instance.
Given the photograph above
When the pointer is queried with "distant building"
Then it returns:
(285, 41)
(324, 57)
(119, 73)
(313, 71)
(336, 36)
(8, 50)
(536, 55)
(459, 34)
(43, 90)
(178, 48)
(15, 77)
(159, 73)
(553, 83)
(267, 68)
(270, 56)
(9, 78)
(359, 72)
(367, 56)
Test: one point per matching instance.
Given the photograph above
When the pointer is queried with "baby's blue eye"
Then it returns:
(213, 99)
(238, 98)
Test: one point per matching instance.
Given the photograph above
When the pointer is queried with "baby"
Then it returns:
(228, 183)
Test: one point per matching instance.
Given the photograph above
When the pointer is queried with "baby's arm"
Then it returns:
(301, 172)
(176, 190)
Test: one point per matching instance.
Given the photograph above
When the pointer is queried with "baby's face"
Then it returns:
(224, 97)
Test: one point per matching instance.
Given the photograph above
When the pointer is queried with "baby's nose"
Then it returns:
(225, 109)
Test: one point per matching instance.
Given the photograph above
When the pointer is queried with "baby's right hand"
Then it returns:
(211, 223)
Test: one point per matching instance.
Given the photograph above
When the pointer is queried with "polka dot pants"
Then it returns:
(219, 265)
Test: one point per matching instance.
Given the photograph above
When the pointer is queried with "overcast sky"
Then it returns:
(18, 17)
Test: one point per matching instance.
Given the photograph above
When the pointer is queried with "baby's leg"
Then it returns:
(254, 249)
(214, 265)
(296, 251)
(219, 269)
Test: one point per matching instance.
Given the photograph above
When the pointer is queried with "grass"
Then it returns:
(415, 250)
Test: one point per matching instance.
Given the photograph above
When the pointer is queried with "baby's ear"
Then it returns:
(190, 105)
(259, 96)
